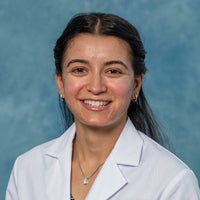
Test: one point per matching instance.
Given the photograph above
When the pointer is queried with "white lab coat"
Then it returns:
(137, 169)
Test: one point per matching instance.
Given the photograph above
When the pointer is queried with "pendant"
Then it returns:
(85, 181)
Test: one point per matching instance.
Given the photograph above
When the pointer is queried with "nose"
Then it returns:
(96, 84)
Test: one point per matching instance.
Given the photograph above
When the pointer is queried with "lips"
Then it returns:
(96, 103)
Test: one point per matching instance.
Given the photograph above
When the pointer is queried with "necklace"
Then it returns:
(87, 178)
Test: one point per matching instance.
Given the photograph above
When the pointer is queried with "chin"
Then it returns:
(97, 123)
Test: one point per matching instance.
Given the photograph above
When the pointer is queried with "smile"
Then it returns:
(96, 104)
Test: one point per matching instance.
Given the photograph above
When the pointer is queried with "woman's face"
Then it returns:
(98, 80)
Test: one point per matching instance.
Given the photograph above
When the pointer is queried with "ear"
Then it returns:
(59, 84)
(137, 85)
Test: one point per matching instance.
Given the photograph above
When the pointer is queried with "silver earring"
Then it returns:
(62, 98)
(135, 97)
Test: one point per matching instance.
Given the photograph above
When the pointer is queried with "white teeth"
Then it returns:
(96, 103)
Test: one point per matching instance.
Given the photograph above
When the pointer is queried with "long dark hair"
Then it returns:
(139, 112)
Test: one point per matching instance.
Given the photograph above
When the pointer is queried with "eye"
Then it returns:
(114, 72)
(79, 70)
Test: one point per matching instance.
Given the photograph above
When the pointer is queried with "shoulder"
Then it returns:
(150, 153)
(166, 171)
(155, 153)
(165, 167)
(53, 148)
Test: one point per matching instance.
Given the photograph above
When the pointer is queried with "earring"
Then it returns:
(135, 97)
(62, 98)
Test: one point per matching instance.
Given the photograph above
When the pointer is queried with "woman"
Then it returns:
(109, 151)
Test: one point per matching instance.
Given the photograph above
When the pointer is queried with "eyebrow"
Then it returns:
(77, 60)
(112, 62)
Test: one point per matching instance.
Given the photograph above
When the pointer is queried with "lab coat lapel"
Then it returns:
(126, 153)
(58, 167)
(55, 181)
(109, 181)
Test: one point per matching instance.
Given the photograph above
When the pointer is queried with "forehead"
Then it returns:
(98, 45)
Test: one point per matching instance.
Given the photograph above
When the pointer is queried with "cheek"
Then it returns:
(71, 88)
(123, 90)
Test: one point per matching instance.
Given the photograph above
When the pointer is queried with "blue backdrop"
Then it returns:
(29, 112)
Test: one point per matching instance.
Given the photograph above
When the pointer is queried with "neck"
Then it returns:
(94, 144)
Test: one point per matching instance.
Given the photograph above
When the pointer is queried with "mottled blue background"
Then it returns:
(29, 112)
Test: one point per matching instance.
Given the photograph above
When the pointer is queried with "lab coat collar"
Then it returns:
(60, 145)
(58, 166)
(128, 148)
(126, 152)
